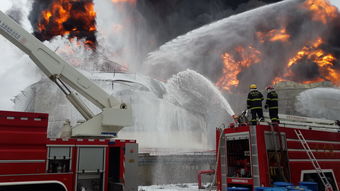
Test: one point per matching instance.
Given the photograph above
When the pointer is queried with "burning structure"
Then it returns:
(297, 44)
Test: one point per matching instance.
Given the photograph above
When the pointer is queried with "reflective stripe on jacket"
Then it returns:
(254, 100)
(272, 100)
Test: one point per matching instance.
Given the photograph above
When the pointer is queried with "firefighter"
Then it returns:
(254, 103)
(272, 104)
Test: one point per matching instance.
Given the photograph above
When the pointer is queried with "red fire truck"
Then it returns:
(31, 161)
(298, 149)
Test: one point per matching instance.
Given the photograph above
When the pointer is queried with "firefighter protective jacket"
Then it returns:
(272, 100)
(254, 100)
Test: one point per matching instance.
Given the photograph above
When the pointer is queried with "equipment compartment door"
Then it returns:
(238, 157)
(90, 168)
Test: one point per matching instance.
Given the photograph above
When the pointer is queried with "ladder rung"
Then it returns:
(312, 159)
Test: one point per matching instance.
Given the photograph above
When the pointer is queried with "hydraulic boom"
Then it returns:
(114, 114)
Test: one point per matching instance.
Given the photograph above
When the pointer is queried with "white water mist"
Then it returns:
(319, 103)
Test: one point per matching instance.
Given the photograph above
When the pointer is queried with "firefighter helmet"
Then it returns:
(269, 88)
(252, 86)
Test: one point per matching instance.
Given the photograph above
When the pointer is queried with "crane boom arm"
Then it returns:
(62, 73)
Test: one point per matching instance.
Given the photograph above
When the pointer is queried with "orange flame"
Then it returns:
(278, 80)
(322, 10)
(324, 62)
(273, 35)
(234, 65)
(52, 21)
(305, 51)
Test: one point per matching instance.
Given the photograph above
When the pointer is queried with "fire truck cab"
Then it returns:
(31, 161)
(258, 155)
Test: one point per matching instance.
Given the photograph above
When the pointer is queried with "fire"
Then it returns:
(322, 10)
(305, 51)
(233, 65)
(240, 58)
(278, 80)
(273, 35)
(325, 63)
(75, 18)
(311, 64)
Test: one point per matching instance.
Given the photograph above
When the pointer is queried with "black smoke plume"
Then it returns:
(76, 26)
(170, 18)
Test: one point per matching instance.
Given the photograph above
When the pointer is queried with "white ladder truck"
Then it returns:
(114, 114)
